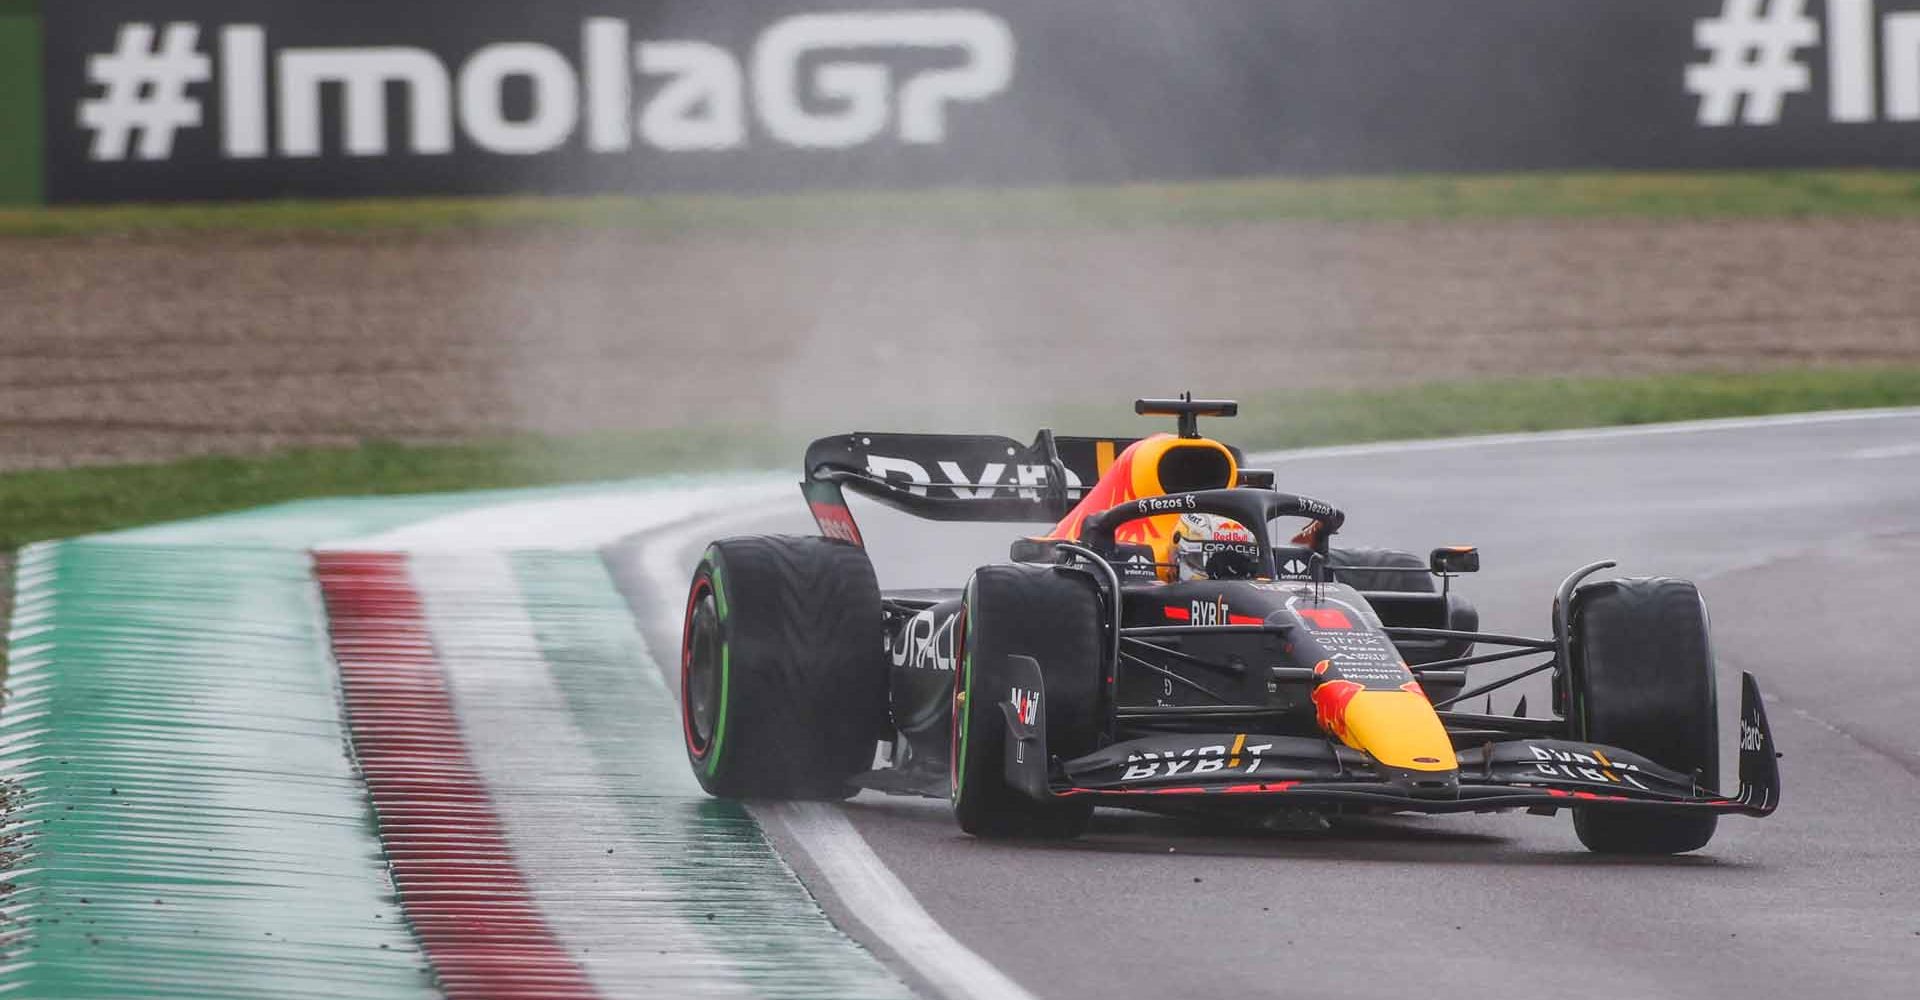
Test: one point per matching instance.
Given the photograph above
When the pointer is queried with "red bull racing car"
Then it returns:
(1169, 646)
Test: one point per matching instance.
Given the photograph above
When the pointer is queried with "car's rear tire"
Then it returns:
(1642, 679)
(1381, 570)
(783, 681)
(1053, 615)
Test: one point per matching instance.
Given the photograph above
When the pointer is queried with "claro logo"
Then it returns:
(812, 81)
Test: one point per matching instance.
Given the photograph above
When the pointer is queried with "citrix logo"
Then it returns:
(702, 100)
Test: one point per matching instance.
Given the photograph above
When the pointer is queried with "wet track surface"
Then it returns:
(1805, 540)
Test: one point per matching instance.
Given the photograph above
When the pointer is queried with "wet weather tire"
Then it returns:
(783, 680)
(1054, 616)
(1642, 679)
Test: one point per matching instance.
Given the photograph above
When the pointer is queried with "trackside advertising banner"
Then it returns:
(194, 99)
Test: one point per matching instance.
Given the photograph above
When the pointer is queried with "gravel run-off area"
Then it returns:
(117, 349)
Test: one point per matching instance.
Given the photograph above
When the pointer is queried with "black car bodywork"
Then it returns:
(1217, 693)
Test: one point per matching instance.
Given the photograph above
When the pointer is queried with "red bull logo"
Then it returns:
(1330, 701)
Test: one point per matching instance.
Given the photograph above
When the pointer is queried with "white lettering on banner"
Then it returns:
(1902, 42)
(1850, 60)
(1751, 60)
(604, 40)
(243, 110)
(144, 90)
(1753, 63)
(556, 99)
(702, 106)
(703, 102)
(864, 89)
(364, 75)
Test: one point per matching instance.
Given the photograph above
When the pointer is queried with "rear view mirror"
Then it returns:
(1449, 560)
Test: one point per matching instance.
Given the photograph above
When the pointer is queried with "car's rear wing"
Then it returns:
(953, 477)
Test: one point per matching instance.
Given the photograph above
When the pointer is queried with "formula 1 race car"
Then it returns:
(1158, 649)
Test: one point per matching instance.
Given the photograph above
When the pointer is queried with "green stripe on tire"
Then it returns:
(720, 723)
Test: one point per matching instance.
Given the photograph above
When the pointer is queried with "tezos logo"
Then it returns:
(1149, 505)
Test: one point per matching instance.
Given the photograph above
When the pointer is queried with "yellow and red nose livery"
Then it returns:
(1397, 727)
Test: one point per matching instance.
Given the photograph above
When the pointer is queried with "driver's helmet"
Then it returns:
(1212, 547)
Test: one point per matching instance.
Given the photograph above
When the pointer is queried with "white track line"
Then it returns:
(670, 574)
(1594, 434)
(1890, 451)
(870, 892)
(862, 881)
(865, 886)
(580, 522)
(874, 895)
(561, 816)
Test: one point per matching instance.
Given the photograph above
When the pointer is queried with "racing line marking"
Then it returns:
(1890, 451)
(874, 895)
(871, 893)
(864, 884)
(1591, 434)
(878, 899)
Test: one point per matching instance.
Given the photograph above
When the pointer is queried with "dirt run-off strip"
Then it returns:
(148, 347)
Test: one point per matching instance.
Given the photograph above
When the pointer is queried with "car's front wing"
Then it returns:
(1522, 772)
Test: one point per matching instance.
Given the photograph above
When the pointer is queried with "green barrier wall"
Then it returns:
(20, 125)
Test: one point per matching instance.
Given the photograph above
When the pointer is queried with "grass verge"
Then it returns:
(61, 503)
(37, 505)
(1681, 195)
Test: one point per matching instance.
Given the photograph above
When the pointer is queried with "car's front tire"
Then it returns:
(1642, 679)
(783, 682)
(1052, 615)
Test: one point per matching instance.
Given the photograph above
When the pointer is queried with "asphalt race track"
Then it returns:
(1805, 539)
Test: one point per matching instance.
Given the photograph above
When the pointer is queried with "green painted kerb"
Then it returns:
(729, 893)
(22, 133)
(181, 816)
